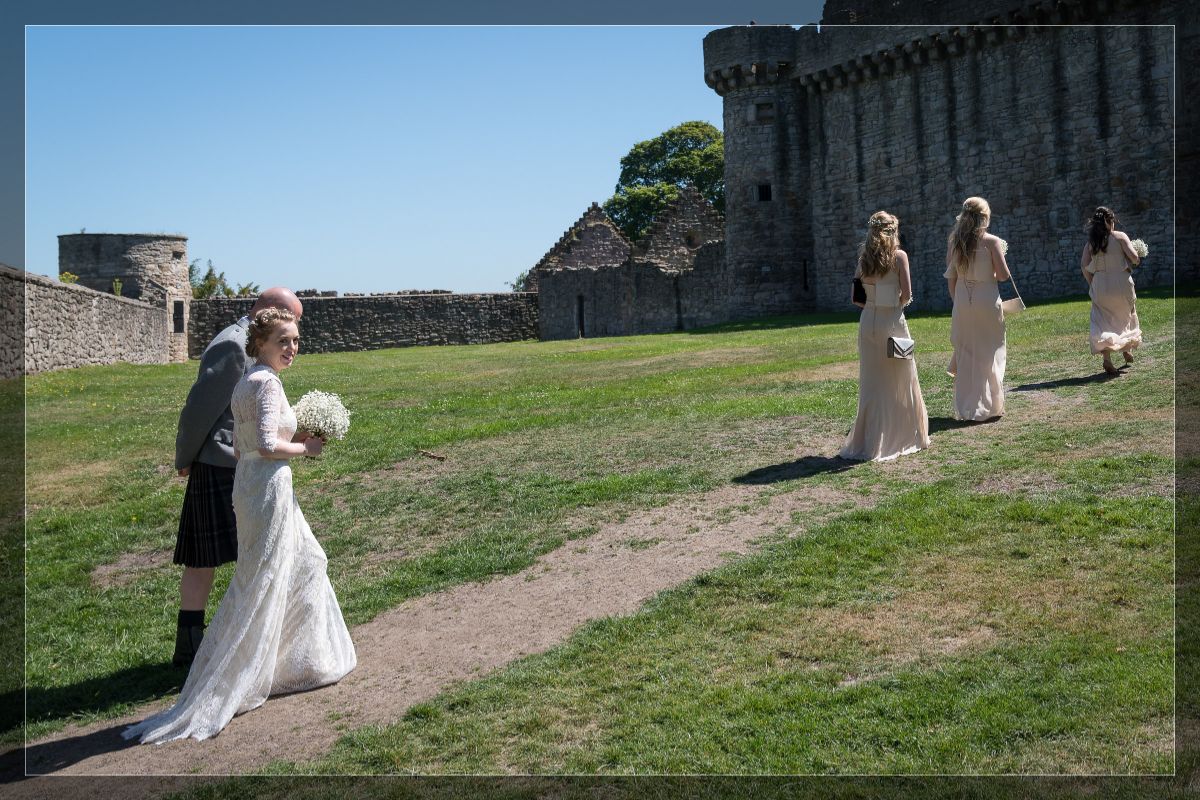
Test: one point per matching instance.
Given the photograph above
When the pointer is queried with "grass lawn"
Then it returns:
(1006, 605)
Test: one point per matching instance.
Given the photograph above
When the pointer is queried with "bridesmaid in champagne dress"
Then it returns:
(974, 266)
(1115, 327)
(891, 419)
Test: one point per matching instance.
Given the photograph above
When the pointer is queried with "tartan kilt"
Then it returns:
(207, 530)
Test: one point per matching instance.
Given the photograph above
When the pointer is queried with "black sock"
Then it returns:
(191, 618)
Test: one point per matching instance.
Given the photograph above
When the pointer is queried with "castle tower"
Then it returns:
(767, 203)
(152, 267)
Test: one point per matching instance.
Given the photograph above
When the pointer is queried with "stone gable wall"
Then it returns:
(682, 228)
(68, 326)
(592, 241)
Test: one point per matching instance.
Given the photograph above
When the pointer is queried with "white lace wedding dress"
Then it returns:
(278, 628)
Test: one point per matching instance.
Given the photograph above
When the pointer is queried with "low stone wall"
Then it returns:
(337, 324)
(72, 326)
(12, 322)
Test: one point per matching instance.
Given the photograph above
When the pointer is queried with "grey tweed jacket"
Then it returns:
(206, 422)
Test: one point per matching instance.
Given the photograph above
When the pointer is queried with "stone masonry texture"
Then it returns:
(150, 266)
(674, 279)
(1040, 113)
(333, 324)
(73, 326)
(1037, 107)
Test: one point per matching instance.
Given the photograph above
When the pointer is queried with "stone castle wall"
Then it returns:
(1046, 123)
(73, 326)
(334, 324)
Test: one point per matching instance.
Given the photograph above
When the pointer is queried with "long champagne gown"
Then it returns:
(1114, 324)
(278, 628)
(891, 419)
(977, 334)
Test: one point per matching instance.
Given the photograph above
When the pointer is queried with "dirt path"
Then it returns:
(413, 652)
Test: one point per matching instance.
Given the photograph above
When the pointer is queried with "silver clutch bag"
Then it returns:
(899, 347)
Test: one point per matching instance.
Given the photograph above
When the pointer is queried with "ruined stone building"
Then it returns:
(595, 282)
(1031, 105)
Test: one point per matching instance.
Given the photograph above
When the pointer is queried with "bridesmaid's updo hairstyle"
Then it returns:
(262, 325)
(968, 229)
(1099, 227)
(877, 254)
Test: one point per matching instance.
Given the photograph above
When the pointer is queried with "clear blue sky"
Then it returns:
(352, 158)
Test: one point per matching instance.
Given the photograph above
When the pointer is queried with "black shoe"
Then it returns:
(187, 642)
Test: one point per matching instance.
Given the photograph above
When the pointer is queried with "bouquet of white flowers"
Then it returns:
(1140, 248)
(322, 414)
(1003, 247)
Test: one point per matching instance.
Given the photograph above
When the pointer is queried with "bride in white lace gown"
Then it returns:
(278, 628)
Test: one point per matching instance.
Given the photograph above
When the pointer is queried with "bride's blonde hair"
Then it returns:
(877, 254)
(968, 228)
(262, 325)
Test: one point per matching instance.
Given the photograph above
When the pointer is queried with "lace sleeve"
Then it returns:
(268, 397)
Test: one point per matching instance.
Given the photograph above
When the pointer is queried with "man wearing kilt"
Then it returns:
(204, 455)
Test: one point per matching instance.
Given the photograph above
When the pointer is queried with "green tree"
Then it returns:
(520, 283)
(653, 171)
(210, 284)
(214, 284)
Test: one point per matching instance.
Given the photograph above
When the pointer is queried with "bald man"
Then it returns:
(204, 455)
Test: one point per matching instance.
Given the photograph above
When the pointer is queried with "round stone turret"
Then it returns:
(152, 267)
(766, 177)
(748, 56)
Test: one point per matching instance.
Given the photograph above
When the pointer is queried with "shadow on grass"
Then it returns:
(1080, 380)
(949, 423)
(135, 685)
(800, 468)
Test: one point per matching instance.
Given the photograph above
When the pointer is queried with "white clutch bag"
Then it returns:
(899, 347)
(1015, 305)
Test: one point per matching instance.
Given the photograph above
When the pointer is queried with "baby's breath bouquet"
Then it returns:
(1003, 247)
(1140, 248)
(322, 414)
